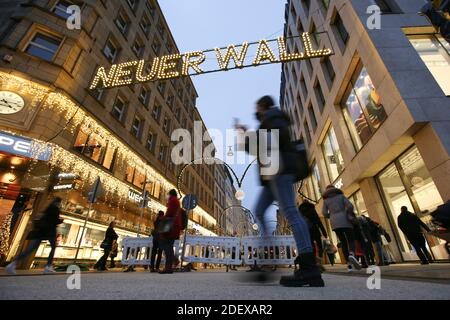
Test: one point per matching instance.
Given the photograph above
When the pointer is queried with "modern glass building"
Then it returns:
(375, 115)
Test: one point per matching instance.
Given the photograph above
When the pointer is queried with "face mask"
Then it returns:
(258, 116)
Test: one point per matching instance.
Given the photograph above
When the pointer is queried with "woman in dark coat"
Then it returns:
(108, 244)
(43, 229)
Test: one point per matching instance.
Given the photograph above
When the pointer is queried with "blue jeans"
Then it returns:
(281, 189)
(34, 244)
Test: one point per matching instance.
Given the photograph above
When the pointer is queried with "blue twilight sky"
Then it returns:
(206, 24)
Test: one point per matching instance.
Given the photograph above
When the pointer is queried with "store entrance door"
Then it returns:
(407, 182)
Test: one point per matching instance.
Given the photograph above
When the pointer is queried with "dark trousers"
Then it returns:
(318, 240)
(346, 237)
(418, 242)
(156, 253)
(331, 258)
(101, 263)
(34, 244)
(167, 247)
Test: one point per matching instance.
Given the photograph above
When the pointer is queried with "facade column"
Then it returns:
(433, 142)
(375, 208)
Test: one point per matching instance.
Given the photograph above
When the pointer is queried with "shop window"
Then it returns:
(358, 203)
(435, 53)
(332, 155)
(60, 8)
(315, 178)
(328, 70)
(135, 176)
(44, 46)
(95, 147)
(312, 118)
(407, 182)
(363, 111)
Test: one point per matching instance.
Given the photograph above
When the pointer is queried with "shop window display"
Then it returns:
(95, 147)
(363, 111)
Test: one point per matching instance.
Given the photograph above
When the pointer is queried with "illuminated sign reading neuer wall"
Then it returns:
(201, 62)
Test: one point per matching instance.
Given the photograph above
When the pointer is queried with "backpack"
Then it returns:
(302, 169)
(184, 219)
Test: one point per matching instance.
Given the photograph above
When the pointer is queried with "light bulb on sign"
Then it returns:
(240, 195)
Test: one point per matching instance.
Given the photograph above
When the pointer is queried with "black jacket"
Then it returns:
(274, 118)
(45, 227)
(110, 236)
(308, 210)
(411, 224)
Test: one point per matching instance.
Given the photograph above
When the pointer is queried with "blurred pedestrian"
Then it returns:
(279, 186)
(170, 228)
(411, 226)
(316, 229)
(107, 246)
(44, 228)
(156, 248)
(339, 210)
(330, 249)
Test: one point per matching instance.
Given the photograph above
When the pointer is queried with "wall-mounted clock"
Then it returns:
(10, 102)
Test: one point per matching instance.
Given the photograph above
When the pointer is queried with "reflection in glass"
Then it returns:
(332, 155)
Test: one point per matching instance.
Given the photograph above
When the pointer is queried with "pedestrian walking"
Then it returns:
(330, 249)
(107, 246)
(169, 228)
(411, 226)
(44, 228)
(156, 248)
(316, 229)
(339, 210)
(279, 187)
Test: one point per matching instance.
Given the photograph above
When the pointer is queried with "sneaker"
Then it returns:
(354, 262)
(49, 270)
(11, 268)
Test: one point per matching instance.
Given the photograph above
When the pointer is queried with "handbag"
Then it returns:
(165, 225)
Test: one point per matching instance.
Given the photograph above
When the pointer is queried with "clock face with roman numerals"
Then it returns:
(10, 102)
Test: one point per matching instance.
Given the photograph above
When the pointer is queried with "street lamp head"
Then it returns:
(240, 195)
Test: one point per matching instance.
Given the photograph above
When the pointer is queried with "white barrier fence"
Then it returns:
(273, 250)
(215, 250)
(137, 251)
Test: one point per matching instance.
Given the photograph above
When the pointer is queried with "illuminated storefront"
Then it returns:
(407, 182)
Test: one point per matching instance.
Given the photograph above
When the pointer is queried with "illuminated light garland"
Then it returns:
(309, 52)
(152, 74)
(264, 53)
(167, 65)
(231, 53)
(106, 79)
(194, 64)
(120, 77)
(60, 103)
(284, 56)
(5, 234)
